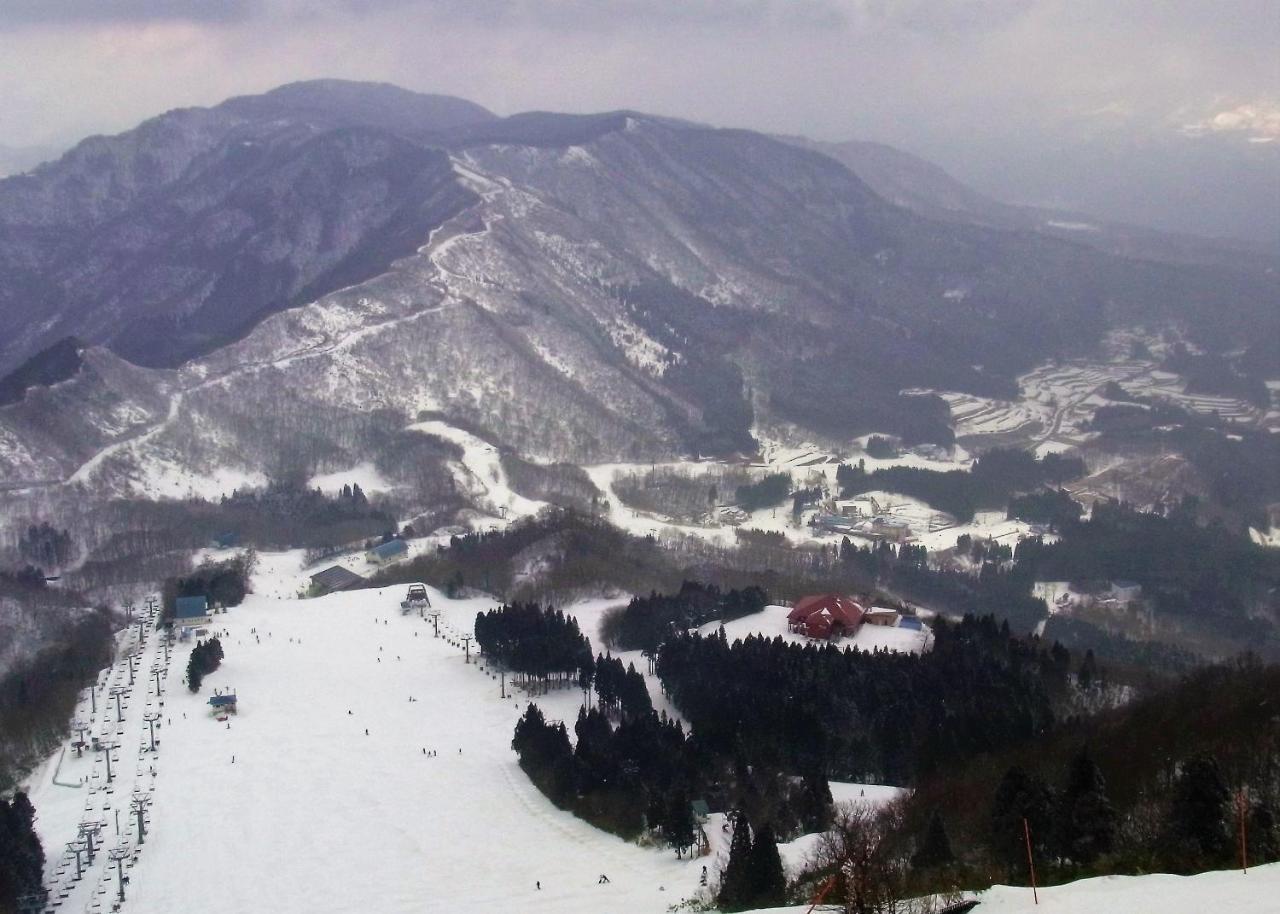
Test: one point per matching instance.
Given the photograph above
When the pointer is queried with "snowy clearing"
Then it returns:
(771, 622)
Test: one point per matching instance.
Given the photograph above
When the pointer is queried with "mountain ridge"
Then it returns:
(611, 287)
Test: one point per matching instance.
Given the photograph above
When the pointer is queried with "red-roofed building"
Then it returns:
(825, 616)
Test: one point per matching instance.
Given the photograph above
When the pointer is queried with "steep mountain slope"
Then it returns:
(178, 236)
(589, 288)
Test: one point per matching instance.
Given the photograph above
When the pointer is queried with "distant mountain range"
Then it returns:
(575, 287)
(927, 189)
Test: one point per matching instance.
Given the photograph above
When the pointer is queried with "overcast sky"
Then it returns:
(932, 75)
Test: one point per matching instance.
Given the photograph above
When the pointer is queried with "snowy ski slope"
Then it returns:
(291, 806)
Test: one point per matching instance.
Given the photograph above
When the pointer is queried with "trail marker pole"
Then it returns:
(1026, 833)
(1242, 808)
(466, 646)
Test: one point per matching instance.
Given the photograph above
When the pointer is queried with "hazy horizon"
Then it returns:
(1166, 116)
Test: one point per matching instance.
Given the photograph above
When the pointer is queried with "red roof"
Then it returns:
(820, 614)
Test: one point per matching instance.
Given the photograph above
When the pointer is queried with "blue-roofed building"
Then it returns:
(223, 703)
(390, 551)
(911, 622)
(191, 611)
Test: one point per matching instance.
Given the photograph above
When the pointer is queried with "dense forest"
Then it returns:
(870, 717)
(1158, 785)
(38, 692)
(21, 855)
(1205, 576)
(536, 643)
(645, 622)
(994, 477)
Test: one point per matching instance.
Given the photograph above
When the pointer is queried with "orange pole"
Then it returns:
(1026, 833)
(1242, 806)
(822, 893)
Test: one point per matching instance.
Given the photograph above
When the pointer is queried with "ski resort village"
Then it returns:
(353, 751)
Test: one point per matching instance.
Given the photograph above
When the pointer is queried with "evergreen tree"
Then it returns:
(1199, 813)
(1086, 819)
(1020, 796)
(768, 883)
(735, 879)
(21, 854)
(814, 805)
(679, 828)
(1264, 842)
(935, 849)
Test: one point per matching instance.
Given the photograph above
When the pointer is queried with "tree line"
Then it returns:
(646, 621)
(1169, 783)
(536, 643)
(878, 717)
(994, 477)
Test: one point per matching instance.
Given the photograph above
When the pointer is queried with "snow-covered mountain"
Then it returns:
(311, 270)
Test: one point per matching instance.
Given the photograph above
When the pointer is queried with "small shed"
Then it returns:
(894, 529)
(880, 615)
(388, 552)
(190, 612)
(700, 811)
(334, 579)
(223, 704)
(911, 622)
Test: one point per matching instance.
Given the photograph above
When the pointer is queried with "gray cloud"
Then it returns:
(979, 85)
(16, 13)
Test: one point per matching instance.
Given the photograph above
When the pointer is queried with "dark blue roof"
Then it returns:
(219, 700)
(391, 547)
(190, 607)
(911, 622)
(336, 578)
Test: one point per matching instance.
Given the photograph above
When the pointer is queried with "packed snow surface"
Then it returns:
(369, 769)
(1257, 892)
(291, 805)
